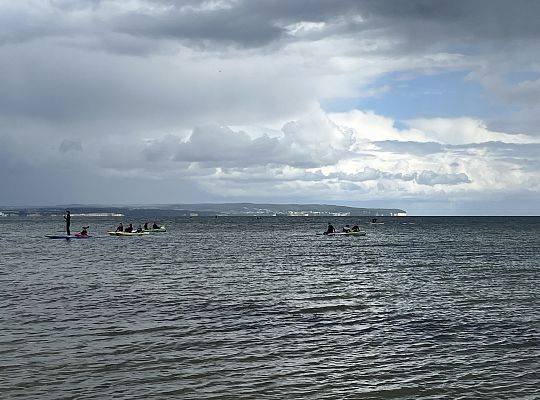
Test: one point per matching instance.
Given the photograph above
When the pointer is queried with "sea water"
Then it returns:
(246, 308)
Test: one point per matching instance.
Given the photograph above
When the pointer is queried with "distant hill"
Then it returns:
(212, 209)
(279, 209)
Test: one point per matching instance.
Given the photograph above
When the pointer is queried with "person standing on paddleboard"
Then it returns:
(67, 217)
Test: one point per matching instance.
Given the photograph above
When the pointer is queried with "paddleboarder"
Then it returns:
(67, 217)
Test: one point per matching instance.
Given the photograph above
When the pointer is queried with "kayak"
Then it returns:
(376, 223)
(127, 233)
(67, 237)
(160, 229)
(346, 234)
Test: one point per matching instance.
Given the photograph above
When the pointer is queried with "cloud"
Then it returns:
(288, 164)
(222, 99)
(432, 178)
(247, 23)
(429, 178)
(136, 66)
(410, 147)
(222, 144)
(199, 26)
(462, 130)
(70, 145)
(294, 145)
(372, 174)
(523, 115)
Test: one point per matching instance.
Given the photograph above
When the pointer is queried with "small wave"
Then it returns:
(330, 308)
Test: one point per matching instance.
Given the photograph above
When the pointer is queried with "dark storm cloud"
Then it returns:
(245, 24)
(217, 26)
(418, 23)
(256, 23)
(54, 77)
(482, 18)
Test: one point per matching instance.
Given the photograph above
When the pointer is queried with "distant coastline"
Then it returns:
(205, 209)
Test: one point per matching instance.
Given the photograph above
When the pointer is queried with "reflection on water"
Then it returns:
(245, 308)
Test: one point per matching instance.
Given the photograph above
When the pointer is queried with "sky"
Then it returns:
(428, 106)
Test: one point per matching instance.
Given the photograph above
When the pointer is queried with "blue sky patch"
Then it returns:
(447, 95)
(517, 77)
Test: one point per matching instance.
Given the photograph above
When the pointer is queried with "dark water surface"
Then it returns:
(243, 308)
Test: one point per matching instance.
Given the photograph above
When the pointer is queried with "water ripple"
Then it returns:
(445, 308)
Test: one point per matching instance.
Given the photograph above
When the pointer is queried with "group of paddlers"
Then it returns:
(130, 229)
(345, 229)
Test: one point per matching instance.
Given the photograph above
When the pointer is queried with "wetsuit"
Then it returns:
(67, 217)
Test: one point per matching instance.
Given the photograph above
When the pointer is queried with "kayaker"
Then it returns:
(146, 226)
(155, 226)
(129, 229)
(346, 229)
(373, 220)
(139, 229)
(356, 228)
(120, 228)
(330, 229)
(67, 217)
(84, 231)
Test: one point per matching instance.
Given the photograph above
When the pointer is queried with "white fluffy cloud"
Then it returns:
(342, 157)
(282, 164)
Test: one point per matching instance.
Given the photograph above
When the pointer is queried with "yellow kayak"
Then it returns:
(127, 233)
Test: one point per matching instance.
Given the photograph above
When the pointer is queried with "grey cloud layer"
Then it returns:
(257, 23)
(118, 87)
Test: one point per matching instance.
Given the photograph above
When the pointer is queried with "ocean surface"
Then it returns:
(246, 308)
